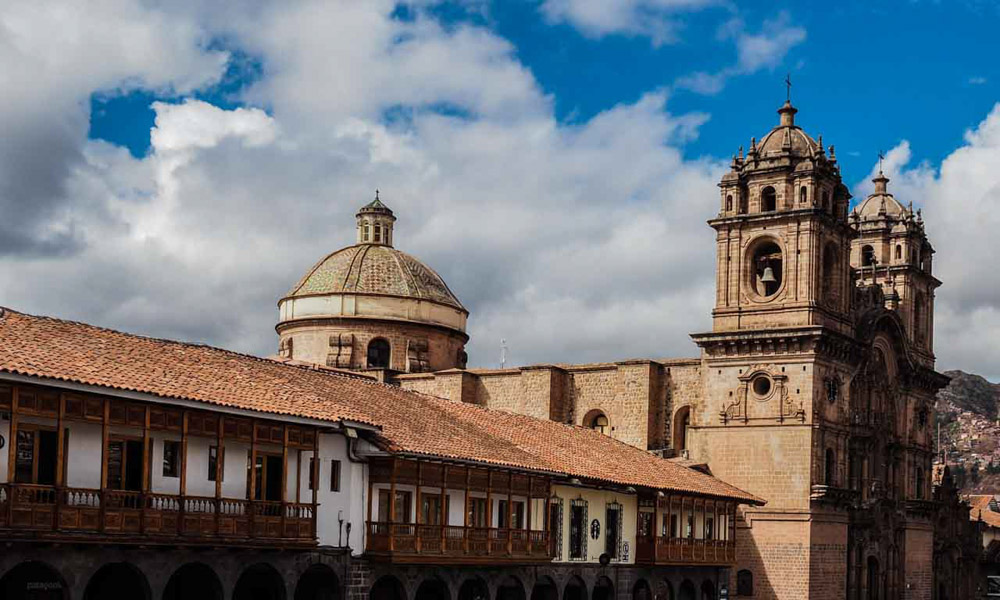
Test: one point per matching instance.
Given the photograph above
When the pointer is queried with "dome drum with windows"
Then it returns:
(370, 306)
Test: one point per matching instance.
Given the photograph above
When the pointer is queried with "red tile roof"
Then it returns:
(981, 508)
(409, 422)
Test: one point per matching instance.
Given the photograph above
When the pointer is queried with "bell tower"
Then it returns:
(782, 235)
(770, 420)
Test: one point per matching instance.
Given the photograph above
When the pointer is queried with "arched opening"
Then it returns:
(319, 582)
(707, 590)
(576, 589)
(473, 589)
(193, 580)
(377, 238)
(432, 589)
(33, 581)
(682, 421)
(597, 421)
(260, 582)
(867, 256)
(603, 589)
(803, 195)
(899, 252)
(729, 203)
(641, 591)
(873, 579)
(831, 275)
(664, 591)
(687, 591)
(918, 485)
(768, 200)
(767, 268)
(379, 353)
(743, 203)
(744, 583)
(117, 580)
(545, 589)
(830, 468)
(510, 588)
(365, 234)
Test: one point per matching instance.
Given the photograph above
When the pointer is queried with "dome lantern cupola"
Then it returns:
(375, 221)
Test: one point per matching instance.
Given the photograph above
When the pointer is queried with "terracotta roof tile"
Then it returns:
(409, 422)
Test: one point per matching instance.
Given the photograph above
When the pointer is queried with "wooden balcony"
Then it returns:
(74, 514)
(684, 551)
(436, 544)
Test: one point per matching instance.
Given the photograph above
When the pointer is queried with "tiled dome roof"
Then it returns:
(375, 269)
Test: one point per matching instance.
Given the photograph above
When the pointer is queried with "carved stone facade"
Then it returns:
(815, 388)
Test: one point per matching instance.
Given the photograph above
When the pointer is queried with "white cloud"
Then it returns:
(556, 236)
(655, 19)
(977, 80)
(765, 49)
(959, 201)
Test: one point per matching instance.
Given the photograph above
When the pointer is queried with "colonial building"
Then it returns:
(814, 390)
(144, 468)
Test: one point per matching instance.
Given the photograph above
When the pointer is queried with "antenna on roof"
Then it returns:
(503, 352)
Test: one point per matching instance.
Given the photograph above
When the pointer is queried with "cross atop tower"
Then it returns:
(788, 87)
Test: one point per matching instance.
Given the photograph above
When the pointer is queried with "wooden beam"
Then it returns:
(419, 508)
(146, 466)
(183, 482)
(465, 513)
(105, 426)
(510, 511)
(284, 476)
(527, 516)
(12, 442)
(219, 470)
(252, 492)
(392, 505)
(60, 457)
(444, 512)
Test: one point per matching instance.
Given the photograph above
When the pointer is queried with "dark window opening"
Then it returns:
(768, 200)
(267, 484)
(613, 523)
(729, 203)
(35, 458)
(378, 354)
(125, 465)
(335, 476)
(867, 256)
(577, 531)
(430, 510)
(403, 507)
(830, 470)
(744, 583)
(477, 512)
(171, 458)
(214, 466)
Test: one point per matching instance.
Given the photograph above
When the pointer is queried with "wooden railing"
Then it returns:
(684, 550)
(51, 511)
(431, 542)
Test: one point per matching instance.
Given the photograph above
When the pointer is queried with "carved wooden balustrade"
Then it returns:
(393, 538)
(661, 539)
(49, 512)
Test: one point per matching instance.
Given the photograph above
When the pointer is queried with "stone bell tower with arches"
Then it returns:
(802, 401)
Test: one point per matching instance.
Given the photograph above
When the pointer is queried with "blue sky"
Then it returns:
(554, 160)
(866, 77)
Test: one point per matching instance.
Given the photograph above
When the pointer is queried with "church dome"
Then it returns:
(881, 203)
(375, 269)
(370, 306)
(788, 137)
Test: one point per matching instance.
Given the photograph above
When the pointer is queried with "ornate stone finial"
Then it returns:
(833, 155)
(881, 183)
(881, 208)
(753, 145)
(741, 152)
(787, 113)
(920, 216)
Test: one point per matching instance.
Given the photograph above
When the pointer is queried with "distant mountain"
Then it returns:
(968, 392)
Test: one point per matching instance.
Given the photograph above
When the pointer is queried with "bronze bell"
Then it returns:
(768, 276)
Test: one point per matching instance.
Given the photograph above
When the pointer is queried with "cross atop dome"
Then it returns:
(375, 223)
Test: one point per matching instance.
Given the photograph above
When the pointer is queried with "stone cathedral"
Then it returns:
(814, 389)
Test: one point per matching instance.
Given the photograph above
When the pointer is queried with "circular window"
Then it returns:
(762, 385)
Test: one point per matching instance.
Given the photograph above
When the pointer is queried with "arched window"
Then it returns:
(919, 484)
(682, 421)
(364, 233)
(767, 268)
(899, 252)
(873, 579)
(803, 195)
(743, 203)
(378, 234)
(379, 352)
(768, 200)
(729, 203)
(598, 421)
(744, 583)
(830, 468)
(867, 256)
